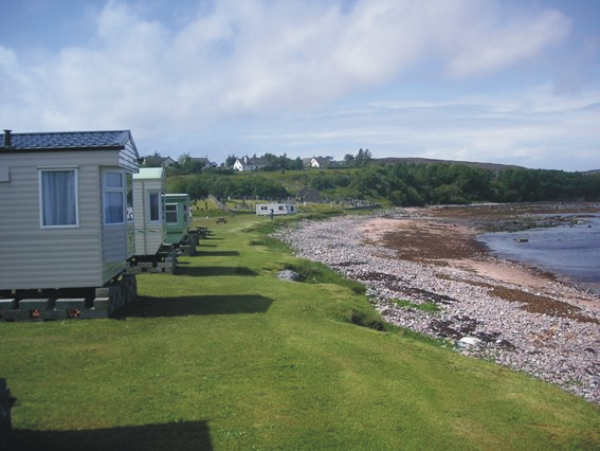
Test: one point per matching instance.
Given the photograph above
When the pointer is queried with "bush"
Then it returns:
(313, 272)
(370, 319)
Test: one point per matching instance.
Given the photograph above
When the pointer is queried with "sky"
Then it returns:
(480, 80)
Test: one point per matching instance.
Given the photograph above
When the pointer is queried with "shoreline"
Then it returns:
(591, 287)
(489, 219)
(427, 274)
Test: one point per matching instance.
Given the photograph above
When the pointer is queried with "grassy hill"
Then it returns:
(224, 355)
(475, 164)
(404, 183)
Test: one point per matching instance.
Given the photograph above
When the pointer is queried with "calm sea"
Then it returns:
(572, 251)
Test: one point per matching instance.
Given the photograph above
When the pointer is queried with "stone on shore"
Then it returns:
(288, 274)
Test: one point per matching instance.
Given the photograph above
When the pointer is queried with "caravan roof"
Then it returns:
(149, 173)
(85, 140)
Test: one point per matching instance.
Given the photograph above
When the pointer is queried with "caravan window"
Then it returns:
(263, 208)
(281, 208)
(154, 203)
(58, 198)
(114, 198)
(171, 213)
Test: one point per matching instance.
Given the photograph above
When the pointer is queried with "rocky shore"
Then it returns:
(509, 314)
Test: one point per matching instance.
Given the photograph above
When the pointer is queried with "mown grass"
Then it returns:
(239, 359)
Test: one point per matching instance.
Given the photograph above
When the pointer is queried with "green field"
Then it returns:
(223, 355)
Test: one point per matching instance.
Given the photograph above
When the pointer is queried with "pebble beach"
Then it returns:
(481, 305)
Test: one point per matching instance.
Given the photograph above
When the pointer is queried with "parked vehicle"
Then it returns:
(275, 209)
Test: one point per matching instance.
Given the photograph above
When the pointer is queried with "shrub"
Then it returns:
(370, 319)
(313, 272)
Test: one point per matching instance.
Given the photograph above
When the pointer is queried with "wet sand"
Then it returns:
(447, 237)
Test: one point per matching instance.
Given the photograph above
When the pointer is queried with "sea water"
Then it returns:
(568, 250)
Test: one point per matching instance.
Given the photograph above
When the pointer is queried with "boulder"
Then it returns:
(288, 274)
(469, 342)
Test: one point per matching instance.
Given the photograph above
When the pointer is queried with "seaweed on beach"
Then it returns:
(533, 303)
(395, 283)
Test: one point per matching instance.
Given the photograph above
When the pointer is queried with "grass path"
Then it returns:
(224, 355)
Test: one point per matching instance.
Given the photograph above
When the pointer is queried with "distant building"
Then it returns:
(204, 162)
(167, 161)
(276, 209)
(316, 162)
(246, 164)
(241, 165)
(155, 161)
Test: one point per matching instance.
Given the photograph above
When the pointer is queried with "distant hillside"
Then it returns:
(593, 171)
(474, 164)
(402, 181)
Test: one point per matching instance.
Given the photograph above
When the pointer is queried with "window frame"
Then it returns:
(111, 189)
(75, 171)
(160, 207)
(167, 205)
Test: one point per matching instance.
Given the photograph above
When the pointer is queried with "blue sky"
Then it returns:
(499, 81)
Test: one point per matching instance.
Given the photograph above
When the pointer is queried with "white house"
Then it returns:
(275, 208)
(315, 162)
(248, 164)
(238, 166)
(244, 164)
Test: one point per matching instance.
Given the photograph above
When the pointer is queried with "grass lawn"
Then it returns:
(223, 355)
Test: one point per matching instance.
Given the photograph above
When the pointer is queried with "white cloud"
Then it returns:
(540, 130)
(256, 56)
(488, 49)
(261, 59)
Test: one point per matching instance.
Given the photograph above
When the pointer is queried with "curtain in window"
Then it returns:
(58, 198)
(113, 207)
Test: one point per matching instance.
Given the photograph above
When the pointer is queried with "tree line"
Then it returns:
(224, 186)
(403, 184)
(419, 184)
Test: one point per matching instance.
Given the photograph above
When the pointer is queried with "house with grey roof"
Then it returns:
(153, 161)
(203, 163)
(246, 164)
(64, 200)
